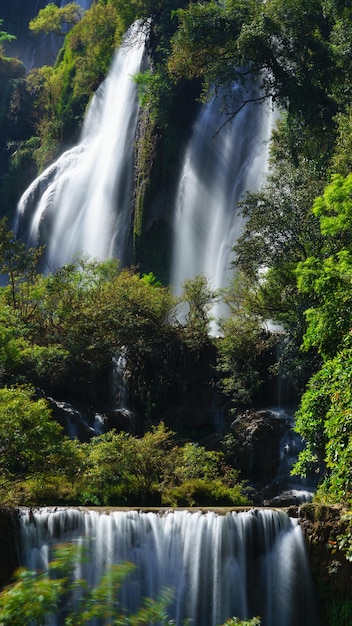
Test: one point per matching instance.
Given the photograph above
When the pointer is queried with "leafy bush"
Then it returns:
(201, 492)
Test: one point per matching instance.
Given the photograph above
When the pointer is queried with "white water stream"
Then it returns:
(239, 564)
(82, 203)
(218, 168)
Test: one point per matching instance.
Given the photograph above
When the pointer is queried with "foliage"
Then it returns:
(37, 596)
(334, 207)
(198, 477)
(197, 299)
(329, 318)
(205, 43)
(236, 622)
(125, 469)
(279, 230)
(90, 47)
(283, 44)
(51, 19)
(324, 418)
(82, 315)
(41, 465)
(201, 492)
(4, 36)
(154, 469)
(341, 158)
(344, 540)
(244, 342)
(155, 94)
(19, 265)
(328, 279)
(35, 453)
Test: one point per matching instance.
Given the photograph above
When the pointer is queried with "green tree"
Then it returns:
(285, 45)
(327, 278)
(19, 265)
(37, 461)
(123, 469)
(205, 43)
(195, 476)
(324, 416)
(53, 19)
(91, 311)
(60, 94)
(197, 299)
(341, 159)
(324, 422)
(244, 342)
(4, 36)
(279, 231)
(36, 596)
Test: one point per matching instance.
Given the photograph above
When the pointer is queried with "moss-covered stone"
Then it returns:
(331, 571)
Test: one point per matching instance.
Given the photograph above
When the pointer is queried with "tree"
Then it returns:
(341, 160)
(205, 43)
(36, 597)
(244, 342)
(52, 19)
(195, 476)
(279, 231)
(324, 421)
(123, 469)
(37, 461)
(327, 279)
(285, 45)
(4, 36)
(197, 297)
(279, 227)
(324, 417)
(19, 265)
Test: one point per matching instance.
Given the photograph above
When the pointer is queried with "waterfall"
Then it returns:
(82, 202)
(238, 564)
(218, 168)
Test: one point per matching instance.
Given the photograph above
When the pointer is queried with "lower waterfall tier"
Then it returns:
(241, 564)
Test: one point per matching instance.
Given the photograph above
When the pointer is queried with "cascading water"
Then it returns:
(82, 203)
(239, 564)
(218, 168)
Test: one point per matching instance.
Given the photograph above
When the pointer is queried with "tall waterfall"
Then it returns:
(82, 202)
(218, 167)
(239, 564)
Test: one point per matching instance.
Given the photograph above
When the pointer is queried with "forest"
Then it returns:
(289, 304)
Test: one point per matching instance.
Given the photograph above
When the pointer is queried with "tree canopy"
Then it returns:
(53, 19)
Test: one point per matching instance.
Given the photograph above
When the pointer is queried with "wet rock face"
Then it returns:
(265, 449)
(322, 525)
(331, 571)
(257, 451)
(8, 544)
